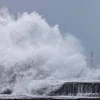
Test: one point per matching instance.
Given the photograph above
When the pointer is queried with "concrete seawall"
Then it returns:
(78, 89)
(67, 91)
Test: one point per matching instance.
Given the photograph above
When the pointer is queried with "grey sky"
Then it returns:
(78, 17)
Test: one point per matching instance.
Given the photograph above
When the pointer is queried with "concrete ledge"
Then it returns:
(78, 89)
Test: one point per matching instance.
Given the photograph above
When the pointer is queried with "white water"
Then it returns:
(33, 54)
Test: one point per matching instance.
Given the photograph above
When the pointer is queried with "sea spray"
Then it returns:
(33, 52)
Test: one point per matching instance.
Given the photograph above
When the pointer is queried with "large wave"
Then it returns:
(32, 53)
